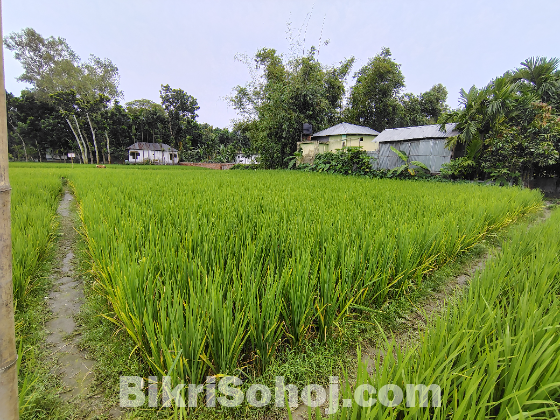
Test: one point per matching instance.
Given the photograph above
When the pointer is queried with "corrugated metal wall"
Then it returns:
(431, 152)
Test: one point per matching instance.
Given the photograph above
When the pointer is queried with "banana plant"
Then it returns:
(407, 164)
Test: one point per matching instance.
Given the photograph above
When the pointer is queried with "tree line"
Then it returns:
(74, 106)
(509, 129)
(285, 92)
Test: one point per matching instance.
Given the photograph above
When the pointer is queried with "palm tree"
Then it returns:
(541, 76)
(471, 120)
(485, 109)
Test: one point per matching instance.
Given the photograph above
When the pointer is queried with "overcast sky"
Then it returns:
(192, 44)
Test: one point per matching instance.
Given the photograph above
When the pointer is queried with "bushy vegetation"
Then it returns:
(510, 129)
(495, 352)
(346, 161)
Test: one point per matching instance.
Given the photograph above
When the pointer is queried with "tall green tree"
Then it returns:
(540, 76)
(181, 111)
(118, 132)
(50, 65)
(80, 114)
(58, 76)
(506, 130)
(282, 95)
(36, 126)
(374, 98)
(149, 121)
(433, 103)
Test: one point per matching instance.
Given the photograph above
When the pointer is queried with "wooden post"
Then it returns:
(8, 356)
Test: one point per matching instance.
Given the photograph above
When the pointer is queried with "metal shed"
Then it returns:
(425, 144)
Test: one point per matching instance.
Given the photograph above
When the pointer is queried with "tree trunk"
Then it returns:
(82, 139)
(94, 142)
(8, 356)
(24, 148)
(108, 150)
(87, 146)
(77, 140)
(39, 150)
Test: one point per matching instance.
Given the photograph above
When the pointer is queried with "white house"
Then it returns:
(241, 158)
(159, 153)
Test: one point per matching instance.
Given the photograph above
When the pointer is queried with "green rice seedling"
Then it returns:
(496, 352)
(264, 316)
(210, 271)
(299, 298)
(35, 193)
(227, 328)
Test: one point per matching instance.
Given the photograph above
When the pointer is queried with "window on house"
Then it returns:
(134, 155)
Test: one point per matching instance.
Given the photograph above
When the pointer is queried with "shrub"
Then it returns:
(347, 161)
(460, 168)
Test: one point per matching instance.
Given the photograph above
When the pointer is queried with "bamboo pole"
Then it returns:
(8, 355)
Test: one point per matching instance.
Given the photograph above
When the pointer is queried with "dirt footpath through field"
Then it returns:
(65, 300)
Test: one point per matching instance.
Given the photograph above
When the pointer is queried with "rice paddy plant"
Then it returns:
(227, 328)
(496, 352)
(261, 298)
(213, 271)
(35, 194)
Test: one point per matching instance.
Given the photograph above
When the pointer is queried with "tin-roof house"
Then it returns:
(159, 153)
(425, 143)
(337, 137)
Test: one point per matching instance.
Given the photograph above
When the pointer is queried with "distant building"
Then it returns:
(158, 153)
(50, 155)
(245, 160)
(337, 137)
(425, 143)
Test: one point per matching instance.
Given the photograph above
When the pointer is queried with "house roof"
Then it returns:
(417, 133)
(151, 146)
(346, 128)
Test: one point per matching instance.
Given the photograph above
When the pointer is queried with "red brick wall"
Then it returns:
(209, 165)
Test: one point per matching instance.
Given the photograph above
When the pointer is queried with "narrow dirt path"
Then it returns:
(65, 300)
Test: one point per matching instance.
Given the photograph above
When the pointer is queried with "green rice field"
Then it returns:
(216, 272)
(496, 352)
